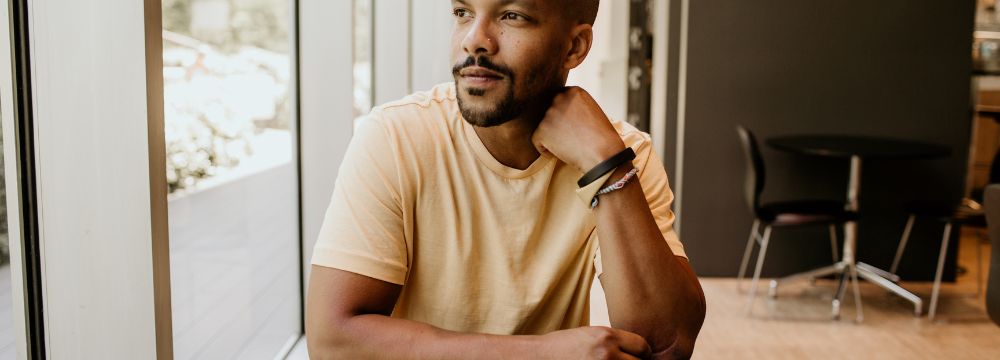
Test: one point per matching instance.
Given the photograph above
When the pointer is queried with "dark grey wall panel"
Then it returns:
(888, 68)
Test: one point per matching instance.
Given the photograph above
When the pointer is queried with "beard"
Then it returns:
(508, 106)
(507, 109)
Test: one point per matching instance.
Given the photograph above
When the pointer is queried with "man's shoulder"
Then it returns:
(415, 124)
(434, 104)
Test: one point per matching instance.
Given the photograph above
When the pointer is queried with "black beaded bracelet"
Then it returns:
(606, 166)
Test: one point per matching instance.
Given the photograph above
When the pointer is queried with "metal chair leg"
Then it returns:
(902, 243)
(838, 297)
(940, 267)
(746, 254)
(756, 274)
(833, 243)
(857, 294)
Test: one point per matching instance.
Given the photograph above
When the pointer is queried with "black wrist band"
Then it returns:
(606, 166)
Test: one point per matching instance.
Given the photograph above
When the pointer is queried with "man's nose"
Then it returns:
(479, 39)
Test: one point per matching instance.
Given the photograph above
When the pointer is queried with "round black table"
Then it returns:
(856, 148)
(846, 146)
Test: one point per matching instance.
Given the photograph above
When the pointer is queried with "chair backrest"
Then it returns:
(992, 205)
(753, 181)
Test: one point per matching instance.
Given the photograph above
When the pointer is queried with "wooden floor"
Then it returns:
(796, 325)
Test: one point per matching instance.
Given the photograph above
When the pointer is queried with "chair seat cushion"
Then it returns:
(804, 212)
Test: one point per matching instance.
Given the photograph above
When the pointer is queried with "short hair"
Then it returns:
(584, 11)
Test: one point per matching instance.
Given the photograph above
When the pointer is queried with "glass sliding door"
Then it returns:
(232, 175)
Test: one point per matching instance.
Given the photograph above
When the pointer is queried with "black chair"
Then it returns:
(967, 213)
(991, 201)
(779, 214)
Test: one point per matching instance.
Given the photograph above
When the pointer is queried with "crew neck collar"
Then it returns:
(490, 162)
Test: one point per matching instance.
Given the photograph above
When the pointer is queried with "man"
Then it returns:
(458, 230)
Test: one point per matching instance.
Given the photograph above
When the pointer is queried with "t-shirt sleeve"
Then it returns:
(363, 229)
(653, 178)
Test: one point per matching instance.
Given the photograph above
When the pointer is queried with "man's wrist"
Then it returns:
(602, 170)
(601, 154)
(618, 173)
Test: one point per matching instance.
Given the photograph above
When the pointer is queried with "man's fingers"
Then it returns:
(541, 148)
(626, 356)
(632, 343)
(535, 140)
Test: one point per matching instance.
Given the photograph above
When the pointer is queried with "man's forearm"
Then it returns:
(347, 317)
(383, 337)
(649, 290)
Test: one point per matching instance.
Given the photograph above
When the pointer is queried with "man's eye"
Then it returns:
(513, 16)
(461, 13)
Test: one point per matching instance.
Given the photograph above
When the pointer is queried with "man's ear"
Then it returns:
(582, 37)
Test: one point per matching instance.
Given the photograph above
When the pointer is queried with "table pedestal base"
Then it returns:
(847, 270)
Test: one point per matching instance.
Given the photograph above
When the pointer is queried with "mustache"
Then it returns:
(483, 62)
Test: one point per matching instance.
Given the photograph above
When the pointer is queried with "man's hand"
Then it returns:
(577, 131)
(595, 342)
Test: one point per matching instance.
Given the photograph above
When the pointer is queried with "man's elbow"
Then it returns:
(322, 345)
(682, 346)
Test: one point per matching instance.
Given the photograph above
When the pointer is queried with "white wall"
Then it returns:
(432, 23)
(391, 61)
(90, 113)
(659, 92)
(326, 107)
(603, 73)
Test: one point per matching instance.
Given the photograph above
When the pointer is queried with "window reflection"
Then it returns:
(226, 89)
(7, 348)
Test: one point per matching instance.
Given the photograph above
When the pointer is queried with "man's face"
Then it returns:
(508, 57)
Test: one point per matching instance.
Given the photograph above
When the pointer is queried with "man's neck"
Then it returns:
(510, 143)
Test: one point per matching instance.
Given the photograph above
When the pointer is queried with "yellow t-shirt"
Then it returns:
(477, 246)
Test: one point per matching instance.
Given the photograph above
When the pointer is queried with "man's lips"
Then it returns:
(479, 77)
(479, 73)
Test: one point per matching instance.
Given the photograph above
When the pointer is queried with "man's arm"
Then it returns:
(347, 317)
(650, 291)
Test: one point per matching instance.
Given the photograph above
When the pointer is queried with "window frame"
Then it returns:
(15, 105)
